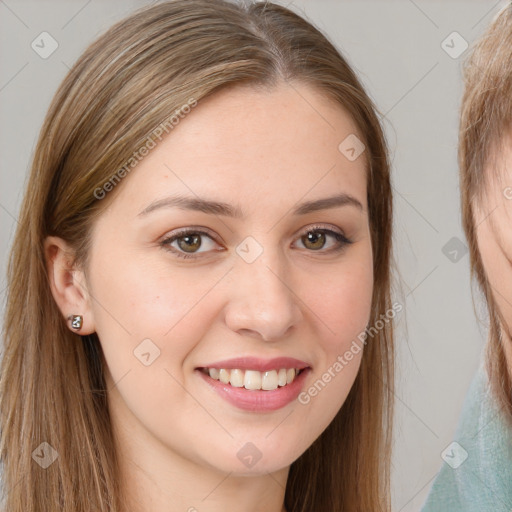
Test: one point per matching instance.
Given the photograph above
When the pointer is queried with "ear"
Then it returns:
(68, 285)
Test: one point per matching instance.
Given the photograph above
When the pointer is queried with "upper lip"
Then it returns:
(255, 363)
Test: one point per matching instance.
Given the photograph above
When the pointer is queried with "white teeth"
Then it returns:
(223, 376)
(253, 379)
(237, 378)
(269, 380)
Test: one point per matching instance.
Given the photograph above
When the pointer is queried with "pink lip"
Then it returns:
(254, 363)
(258, 400)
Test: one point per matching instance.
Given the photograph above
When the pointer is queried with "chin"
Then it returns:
(249, 461)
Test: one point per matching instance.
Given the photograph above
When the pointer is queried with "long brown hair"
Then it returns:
(486, 115)
(122, 87)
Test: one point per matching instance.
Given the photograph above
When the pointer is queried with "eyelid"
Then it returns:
(320, 227)
(191, 229)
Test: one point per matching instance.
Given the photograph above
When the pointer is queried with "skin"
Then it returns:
(493, 217)
(265, 151)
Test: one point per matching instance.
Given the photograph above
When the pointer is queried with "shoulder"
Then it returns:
(477, 466)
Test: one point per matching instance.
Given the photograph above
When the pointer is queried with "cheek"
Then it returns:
(344, 307)
(149, 318)
(137, 300)
(343, 298)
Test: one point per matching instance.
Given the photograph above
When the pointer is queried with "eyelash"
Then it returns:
(341, 239)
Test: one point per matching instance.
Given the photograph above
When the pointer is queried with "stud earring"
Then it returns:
(76, 321)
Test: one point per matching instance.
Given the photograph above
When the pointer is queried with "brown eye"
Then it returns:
(189, 243)
(314, 240)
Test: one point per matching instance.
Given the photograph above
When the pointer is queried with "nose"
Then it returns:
(262, 299)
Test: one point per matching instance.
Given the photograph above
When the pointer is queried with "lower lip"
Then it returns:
(258, 400)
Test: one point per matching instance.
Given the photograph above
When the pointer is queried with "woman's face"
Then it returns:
(275, 281)
(492, 218)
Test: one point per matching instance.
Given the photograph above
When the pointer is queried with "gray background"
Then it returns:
(396, 46)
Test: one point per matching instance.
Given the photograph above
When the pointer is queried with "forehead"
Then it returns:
(259, 144)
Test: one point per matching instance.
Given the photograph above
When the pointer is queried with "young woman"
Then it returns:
(477, 473)
(199, 313)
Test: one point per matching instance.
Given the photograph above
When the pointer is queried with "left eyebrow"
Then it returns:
(327, 203)
(220, 208)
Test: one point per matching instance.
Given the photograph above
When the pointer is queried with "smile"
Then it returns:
(252, 379)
